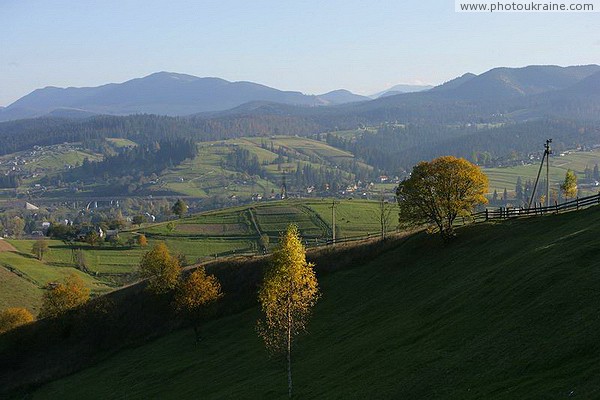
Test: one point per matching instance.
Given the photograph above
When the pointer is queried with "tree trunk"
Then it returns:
(289, 350)
(197, 333)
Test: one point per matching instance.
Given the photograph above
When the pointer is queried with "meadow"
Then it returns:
(202, 237)
(469, 320)
(208, 174)
(506, 177)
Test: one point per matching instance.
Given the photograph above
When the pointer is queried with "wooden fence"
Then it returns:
(537, 210)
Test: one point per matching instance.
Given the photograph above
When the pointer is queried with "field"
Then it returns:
(48, 159)
(121, 142)
(207, 174)
(22, 276)
(202, 237)
(354, 218)
(470, 320)
(18, 292)
(577, 161)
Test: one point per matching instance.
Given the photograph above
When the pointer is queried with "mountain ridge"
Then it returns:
(163, 93)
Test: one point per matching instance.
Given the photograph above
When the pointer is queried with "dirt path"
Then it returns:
(5, 246)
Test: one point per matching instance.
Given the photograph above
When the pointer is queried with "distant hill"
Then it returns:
(590, 85)
(70, 113)
(499, 95)
(162, 93)
(454, 83)
(516, 82)
(401, 88)
(499, 91)
(341, 96)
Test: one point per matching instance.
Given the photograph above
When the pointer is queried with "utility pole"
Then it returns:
(546, 156)
(548, 151)
(333, 206)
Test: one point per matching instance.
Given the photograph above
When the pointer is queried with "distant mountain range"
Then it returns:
(516, 82)
(527, 92)
(399, 89)
(162, 93)
(498, 95)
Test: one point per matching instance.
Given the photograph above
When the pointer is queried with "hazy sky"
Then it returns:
(305, 45)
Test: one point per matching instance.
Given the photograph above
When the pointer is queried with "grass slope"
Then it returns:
(501, 178)
(208, 174)
(354, 218)
(22, 276)
(506, 311)
(18, 292)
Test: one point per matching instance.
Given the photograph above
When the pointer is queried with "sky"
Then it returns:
(305, 45)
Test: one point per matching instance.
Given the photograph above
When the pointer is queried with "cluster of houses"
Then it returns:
(18, 162)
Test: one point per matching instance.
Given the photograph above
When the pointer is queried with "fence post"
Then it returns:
(577, 202)
(556, 205)
(486, 214)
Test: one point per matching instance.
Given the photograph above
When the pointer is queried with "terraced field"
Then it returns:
(274, 219)
(354, 218)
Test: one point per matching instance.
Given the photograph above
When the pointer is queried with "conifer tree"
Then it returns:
(179, 208)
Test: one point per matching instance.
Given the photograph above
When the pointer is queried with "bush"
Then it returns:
(64, 296)
(12, 318)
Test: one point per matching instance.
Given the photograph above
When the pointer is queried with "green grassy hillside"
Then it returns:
(577, 161)
(22, 276)
(507, 311)
(18, 292)
(208, 174)
(199, 237)
(354, 218)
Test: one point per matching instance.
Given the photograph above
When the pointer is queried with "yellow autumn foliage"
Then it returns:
(197, 290)
(569, 186)
(439, 191)
(160, 269)
(288, 293)
(64, 296)
(12, 318)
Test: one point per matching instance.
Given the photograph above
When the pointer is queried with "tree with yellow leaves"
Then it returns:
(287, 295)
(439, 191)
(69, 294)
(569, 186)
(160, 269)
(142, 241)
(12, 318)
(194, 294)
